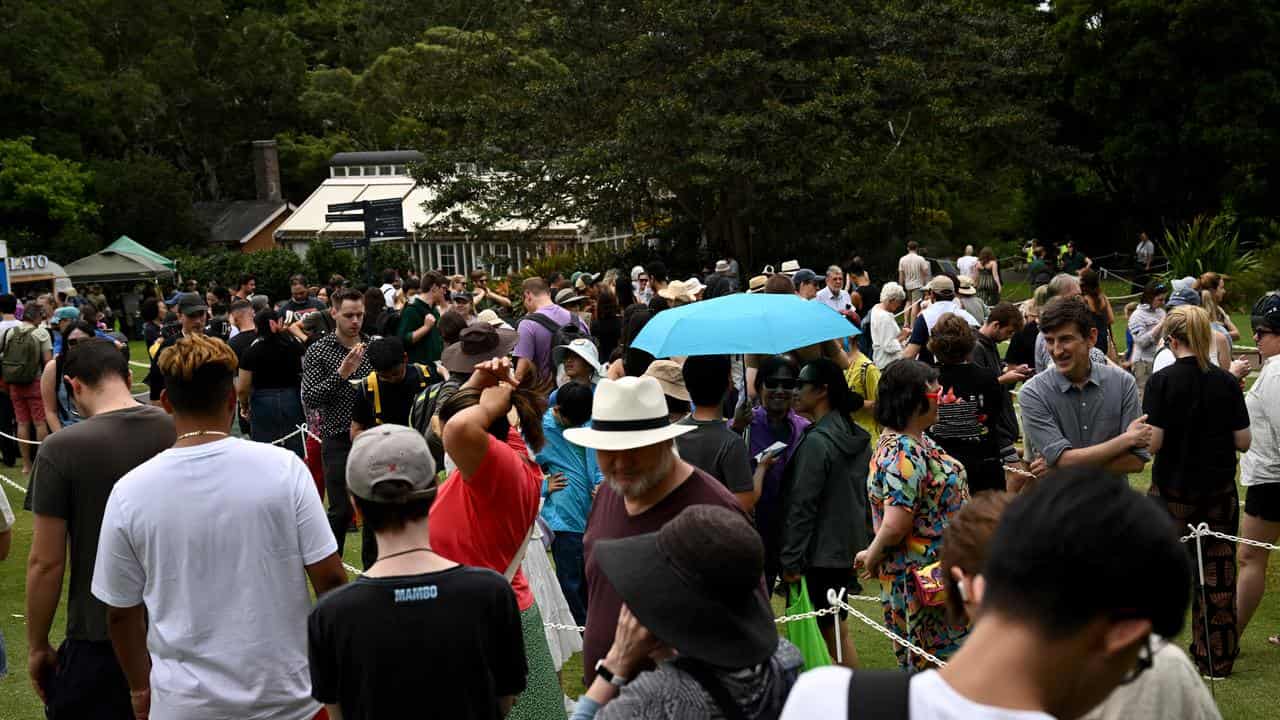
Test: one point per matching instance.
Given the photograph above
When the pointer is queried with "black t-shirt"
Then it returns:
(607, 331)
(395, 399)
(446, 644)
(870, 295)
(1199, 411)
(718, 451)
(241, 342)
(968, 411)
(920, 336)
(1022, 346)
(276, 362)
(292, 309)
(74, 473)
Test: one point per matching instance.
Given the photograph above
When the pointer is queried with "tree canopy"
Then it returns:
(754, 128)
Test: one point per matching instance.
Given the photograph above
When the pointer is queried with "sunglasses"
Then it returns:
(777, 383)
(1264, 333)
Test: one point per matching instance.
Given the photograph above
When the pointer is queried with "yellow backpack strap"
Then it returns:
(155, 348)
(371, 383)
(424, 376)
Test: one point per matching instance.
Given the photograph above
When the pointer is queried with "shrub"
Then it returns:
(1204, 245)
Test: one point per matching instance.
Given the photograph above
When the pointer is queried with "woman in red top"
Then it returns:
(484, 511)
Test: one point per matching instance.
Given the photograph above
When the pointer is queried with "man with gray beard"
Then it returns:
(646, 484)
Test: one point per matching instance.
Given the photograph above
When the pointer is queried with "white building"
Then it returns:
(358, 176)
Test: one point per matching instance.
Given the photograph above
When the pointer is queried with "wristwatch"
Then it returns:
(615, 680)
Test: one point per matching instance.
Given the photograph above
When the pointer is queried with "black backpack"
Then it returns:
(560, 334)
(879, 695)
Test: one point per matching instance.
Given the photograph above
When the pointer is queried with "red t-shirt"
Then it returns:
(483, 520)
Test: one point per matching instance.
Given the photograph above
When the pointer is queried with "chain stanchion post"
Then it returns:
(839, 638)
(1199, 532)
(302, 430)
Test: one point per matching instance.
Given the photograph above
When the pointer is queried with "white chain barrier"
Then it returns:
(833, 597)
(302, 429)
(1202, 530)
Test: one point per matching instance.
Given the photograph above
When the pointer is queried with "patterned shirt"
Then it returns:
(920, 477)
(323, 391)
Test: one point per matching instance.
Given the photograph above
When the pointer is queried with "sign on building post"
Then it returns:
(383, 220)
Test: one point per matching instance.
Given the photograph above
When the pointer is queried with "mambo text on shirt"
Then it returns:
(416, 594)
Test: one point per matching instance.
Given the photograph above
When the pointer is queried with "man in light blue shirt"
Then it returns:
(572, 476)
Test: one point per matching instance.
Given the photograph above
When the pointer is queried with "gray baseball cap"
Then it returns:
(391, 464)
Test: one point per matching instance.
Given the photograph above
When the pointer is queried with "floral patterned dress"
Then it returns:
(923, 478)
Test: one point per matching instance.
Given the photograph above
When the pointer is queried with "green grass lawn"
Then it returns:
(1248, 694)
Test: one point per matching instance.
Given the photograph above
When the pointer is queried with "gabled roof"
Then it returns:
(309, 219)
(234, 222)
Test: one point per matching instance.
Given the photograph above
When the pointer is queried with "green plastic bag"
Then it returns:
(804, 634)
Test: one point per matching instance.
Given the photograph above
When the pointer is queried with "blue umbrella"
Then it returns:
(736, 324)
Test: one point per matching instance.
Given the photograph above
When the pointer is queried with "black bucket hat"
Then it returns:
(696, 585)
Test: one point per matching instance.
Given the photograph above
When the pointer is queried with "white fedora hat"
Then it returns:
(789, 267)
(627, 413)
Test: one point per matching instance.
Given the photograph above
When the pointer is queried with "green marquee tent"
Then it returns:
(128, 246)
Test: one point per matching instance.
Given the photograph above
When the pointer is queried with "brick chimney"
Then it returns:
(266, 170)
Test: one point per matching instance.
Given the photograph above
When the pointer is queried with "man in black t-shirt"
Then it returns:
(241, 317)
(300, 301)
(711, 446)
(385, 397)
(416, 634)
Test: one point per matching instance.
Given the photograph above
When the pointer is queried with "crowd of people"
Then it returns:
(529, 483)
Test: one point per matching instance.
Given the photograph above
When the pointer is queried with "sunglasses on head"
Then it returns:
(779, 383)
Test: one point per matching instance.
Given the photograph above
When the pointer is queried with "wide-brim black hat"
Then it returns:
(727, 627)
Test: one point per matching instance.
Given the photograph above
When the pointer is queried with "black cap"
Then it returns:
(1266, 312)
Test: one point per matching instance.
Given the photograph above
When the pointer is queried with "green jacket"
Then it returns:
(825, 486)
(427, 350)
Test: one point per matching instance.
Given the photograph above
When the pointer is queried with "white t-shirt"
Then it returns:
(839, 303)
(938, 308)
(1164, 358)
(1262, 463)
(885, 345)
(213, 540)
(915, 271)
(389, 294)
(823, 694)
(968, 265)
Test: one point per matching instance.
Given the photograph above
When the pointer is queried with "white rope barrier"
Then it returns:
(138, 364)
(18, 439)
(12, 484)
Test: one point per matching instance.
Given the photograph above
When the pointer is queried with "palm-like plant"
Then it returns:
(1204, 245)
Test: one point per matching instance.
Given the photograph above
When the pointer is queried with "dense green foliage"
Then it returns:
(763, 129)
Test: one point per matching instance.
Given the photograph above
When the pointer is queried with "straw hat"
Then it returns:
(626, 414)
(670, 377)
(677, 290)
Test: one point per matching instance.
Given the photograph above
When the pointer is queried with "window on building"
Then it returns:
(448, 260)
(400, 170)
(338, 172)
